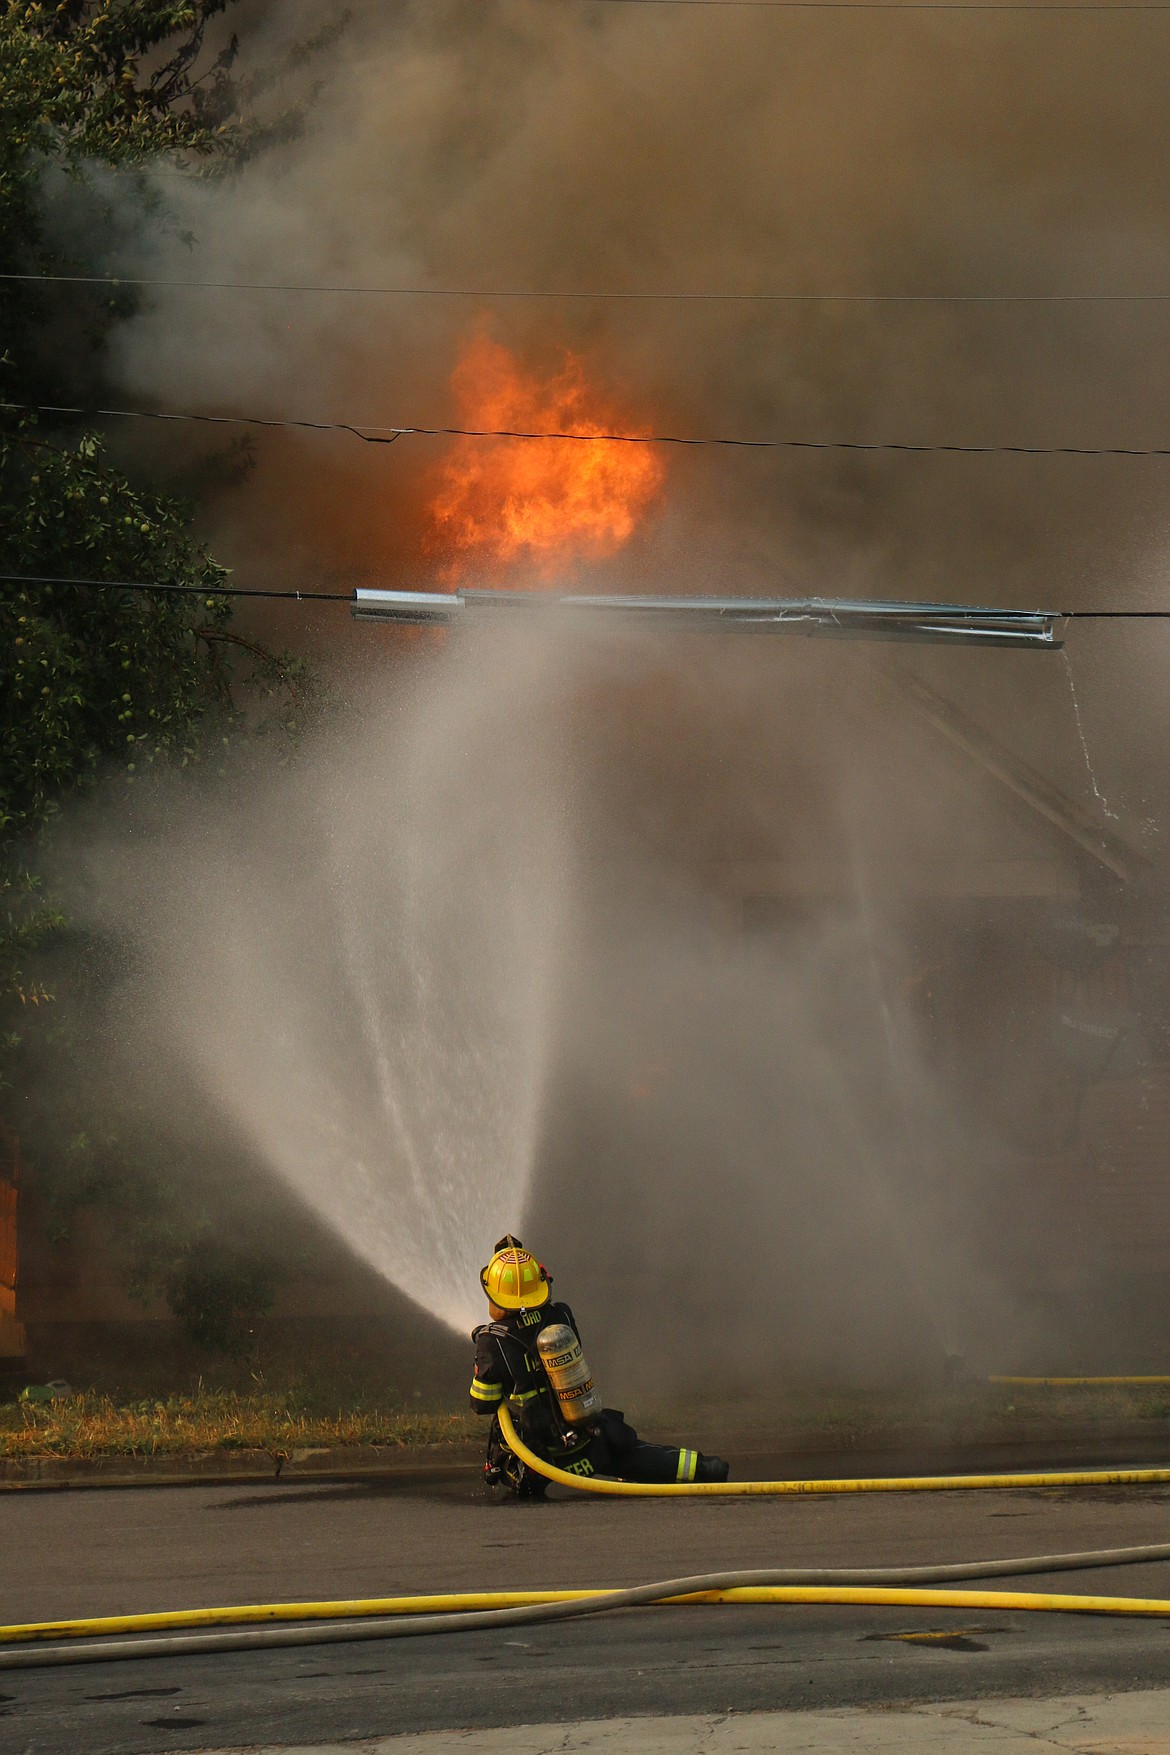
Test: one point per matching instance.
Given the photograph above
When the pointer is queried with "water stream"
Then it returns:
(359, 966)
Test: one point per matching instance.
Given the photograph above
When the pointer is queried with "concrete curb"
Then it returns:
(1115, 1721)
(238, 1468)
(1049, 1446)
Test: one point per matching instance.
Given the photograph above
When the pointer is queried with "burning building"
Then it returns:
(827, 994)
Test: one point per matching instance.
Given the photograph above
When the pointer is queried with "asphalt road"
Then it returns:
(104, 1552)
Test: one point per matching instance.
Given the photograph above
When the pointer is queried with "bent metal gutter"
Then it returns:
(952, 624)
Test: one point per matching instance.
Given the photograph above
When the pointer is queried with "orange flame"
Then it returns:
(504, 502)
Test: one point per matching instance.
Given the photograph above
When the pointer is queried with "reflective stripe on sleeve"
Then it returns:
(486, 1392)
(688, 1462)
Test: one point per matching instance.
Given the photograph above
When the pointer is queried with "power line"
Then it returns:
(371, 435)
(571, 294)
(163, 586)
(379, 435)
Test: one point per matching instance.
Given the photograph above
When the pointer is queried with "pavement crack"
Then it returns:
(1047, 1735)
(710, 1730)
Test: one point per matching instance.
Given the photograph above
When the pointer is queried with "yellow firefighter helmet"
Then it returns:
(513, 1279)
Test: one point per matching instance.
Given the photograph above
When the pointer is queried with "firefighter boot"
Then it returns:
(532, 1486)
(711, 1468)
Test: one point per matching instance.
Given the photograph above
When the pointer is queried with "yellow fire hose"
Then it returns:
(875, 1484)
(327, 1623)
(319, 1623)
(710, 1586)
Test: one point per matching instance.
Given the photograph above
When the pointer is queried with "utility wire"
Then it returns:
(377, 435)
(160, 585)
(569, 294)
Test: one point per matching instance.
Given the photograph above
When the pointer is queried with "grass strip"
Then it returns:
(89, 1425)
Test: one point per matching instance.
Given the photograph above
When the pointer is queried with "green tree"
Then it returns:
(105, 684)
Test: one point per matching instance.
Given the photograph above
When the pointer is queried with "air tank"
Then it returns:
(567, 1371)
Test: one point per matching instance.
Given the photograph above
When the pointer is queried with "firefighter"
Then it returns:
(508, 1367)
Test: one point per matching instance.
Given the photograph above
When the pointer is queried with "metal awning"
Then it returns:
(955, 624)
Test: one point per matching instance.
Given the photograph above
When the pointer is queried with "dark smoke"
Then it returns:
(519, 143)
(609, 148)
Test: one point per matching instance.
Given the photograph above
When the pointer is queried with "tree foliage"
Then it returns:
(103, 684)
(99, 79)
(96, 676)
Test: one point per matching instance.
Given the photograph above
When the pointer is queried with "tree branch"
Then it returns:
(260, 652)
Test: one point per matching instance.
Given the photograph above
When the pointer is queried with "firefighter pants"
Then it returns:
(618, 1451)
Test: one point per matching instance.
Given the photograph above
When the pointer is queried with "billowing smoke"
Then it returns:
(584, 147)
(581, 147)
(503, 896)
